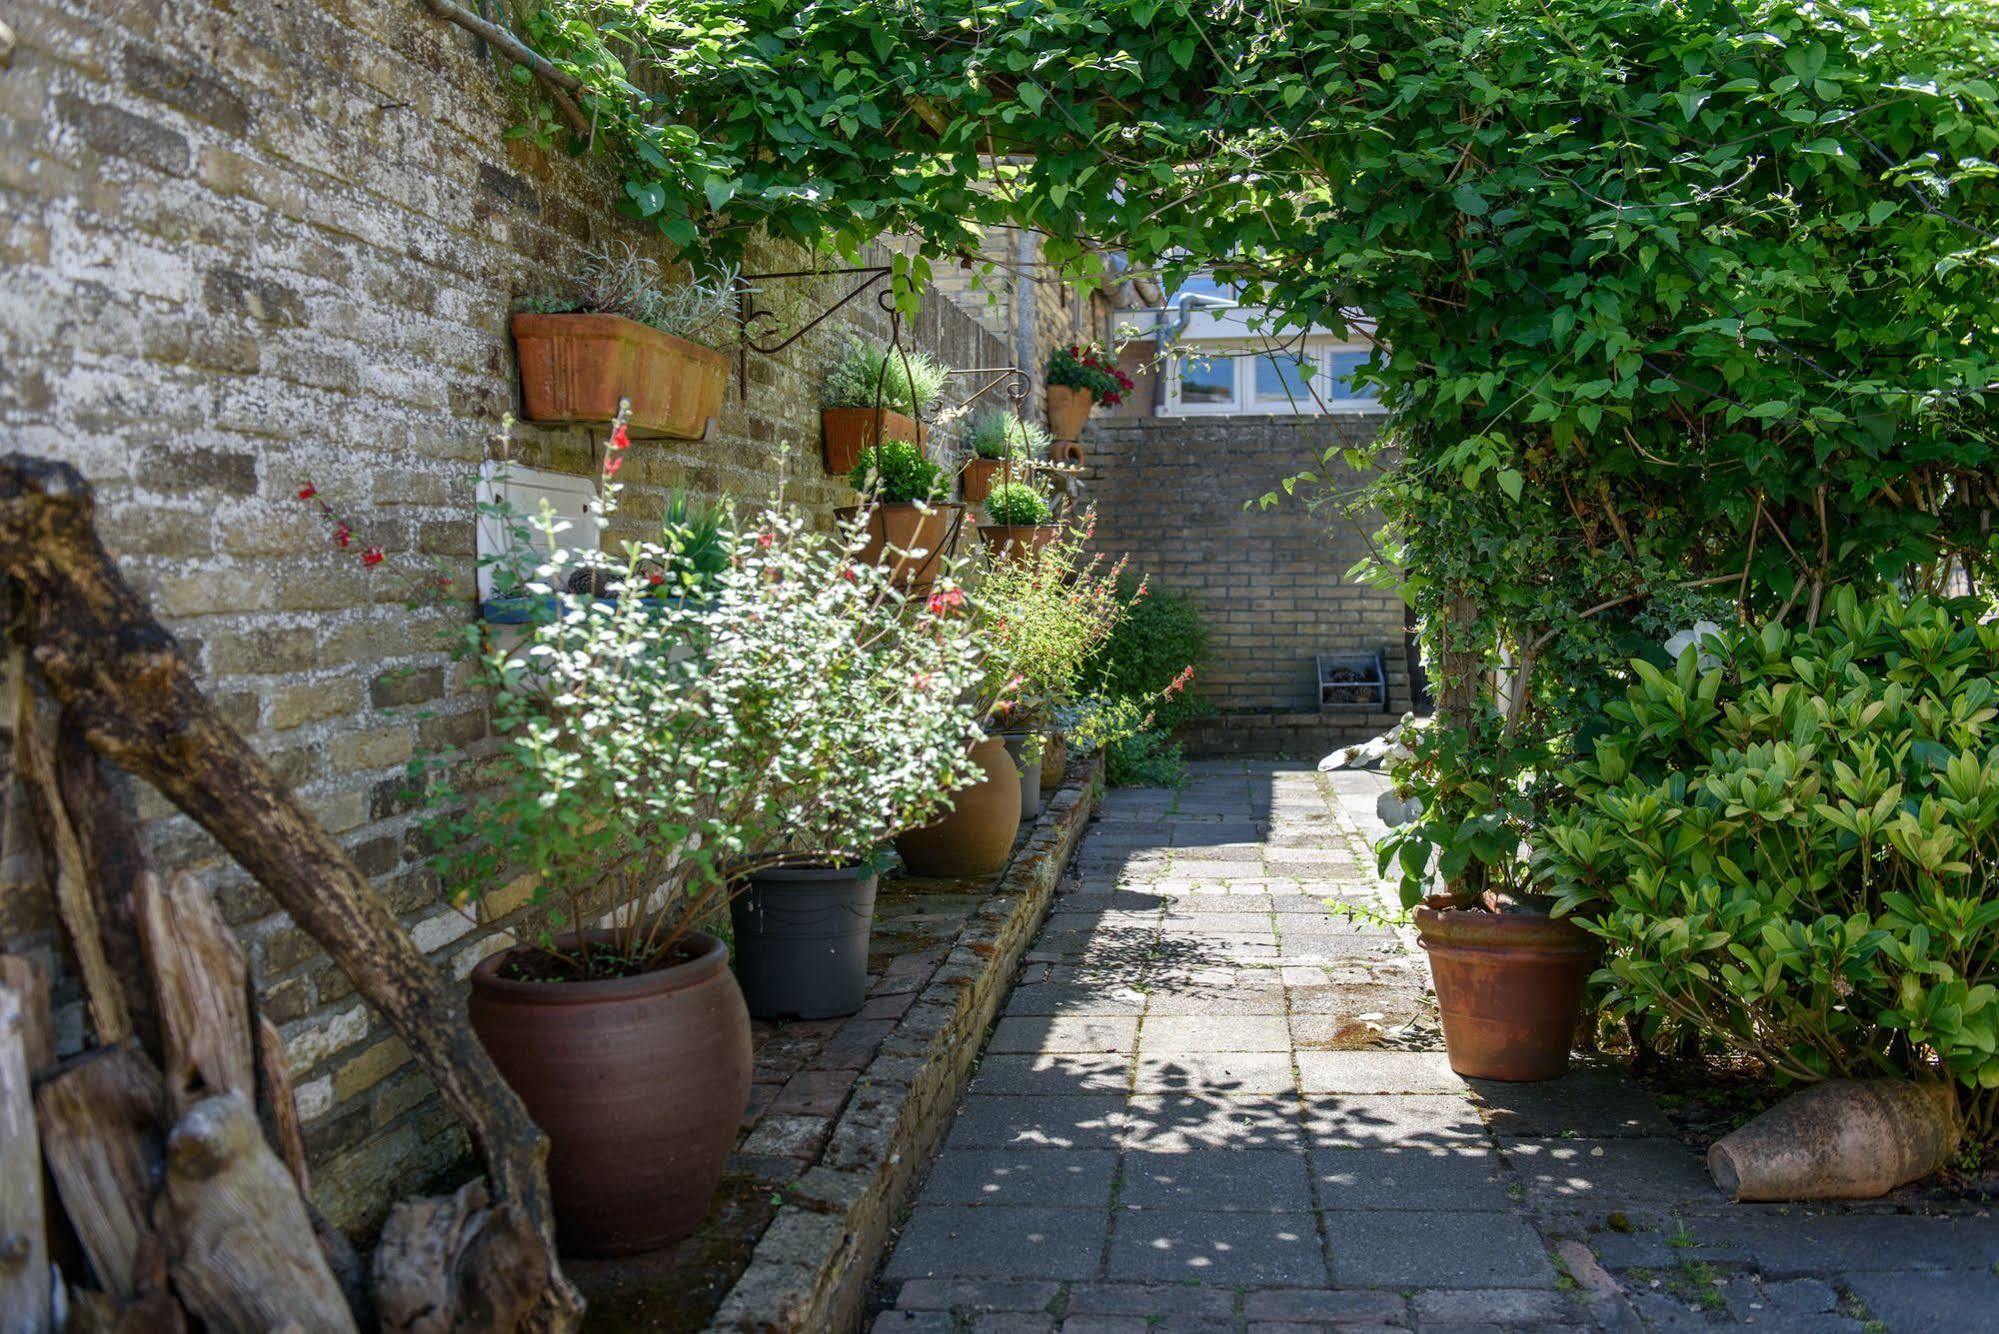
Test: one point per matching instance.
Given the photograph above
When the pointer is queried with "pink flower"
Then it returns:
(612, 464)
(922, 680)
(765, 539)
(372, 557)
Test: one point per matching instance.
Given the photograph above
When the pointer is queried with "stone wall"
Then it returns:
(248, 246)
(1272, 582)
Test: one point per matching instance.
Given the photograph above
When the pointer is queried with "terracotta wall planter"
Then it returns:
(1016, 541)
(1068, 409)
(1510, 986)
(976, 482)
(897, 533)
(851, 430)
(575, 368)
(976, 837)
(640, 1084)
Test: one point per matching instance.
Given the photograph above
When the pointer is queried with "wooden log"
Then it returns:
(29, 981)
(25, 1291)
(202, 984)
(74, 903)
(277, 1103)
(113, 857)
(120, 676)
(100, 1120)
(240, 1248)
(439, 1266)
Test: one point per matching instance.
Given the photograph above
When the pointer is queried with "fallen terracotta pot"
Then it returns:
(1845, 1139)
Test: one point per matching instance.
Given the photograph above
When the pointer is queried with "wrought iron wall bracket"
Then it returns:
(763, 331)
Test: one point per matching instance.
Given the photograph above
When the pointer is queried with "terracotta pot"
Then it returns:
(1845, 1139)
(1510, 986)
(1068, 409)
(1016, 541)
(575, 368)
(640, 1084)
(976, 837)
(976, 482)
(1066, 452)
(851, 430)
(897, 531)
(1054, 762)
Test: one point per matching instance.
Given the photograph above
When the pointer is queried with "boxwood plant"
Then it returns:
(1016, 504)
(896, 472)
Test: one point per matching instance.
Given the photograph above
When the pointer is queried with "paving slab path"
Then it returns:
(1217, 1100)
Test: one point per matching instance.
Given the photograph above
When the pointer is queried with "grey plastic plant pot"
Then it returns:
(1030, 771)
(802, 940)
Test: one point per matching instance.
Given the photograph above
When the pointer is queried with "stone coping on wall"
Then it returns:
(845, 1114)
(1289, 736)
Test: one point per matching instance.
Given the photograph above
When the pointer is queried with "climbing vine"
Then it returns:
(1684, 309)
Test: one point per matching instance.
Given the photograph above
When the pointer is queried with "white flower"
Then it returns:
(1689, 638)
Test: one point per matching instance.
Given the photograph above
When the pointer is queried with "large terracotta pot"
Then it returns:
(976, 482)
(575, 368)
(1068, 409)
(851, 430)
(897, 533)
(976, 837)
(1510, 985)
(640, 1084)
(1017, 541)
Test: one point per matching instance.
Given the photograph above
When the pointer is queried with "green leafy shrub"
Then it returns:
(869, 374)
(896, 472)
(697, 542)
(1002, 435)
(1157, 641)
(1016, 504)
(1796, 849)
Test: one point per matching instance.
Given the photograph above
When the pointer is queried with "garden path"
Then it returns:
(1217, 1100)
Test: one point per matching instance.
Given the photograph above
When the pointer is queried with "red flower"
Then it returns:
(655, 579)
(308, 491)
(935, 606)
(343, 536)
(620, 437)
(371, 557)
(847, 573)
(765, 539)
(612, 464)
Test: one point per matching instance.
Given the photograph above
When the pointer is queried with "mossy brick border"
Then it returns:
(811, 1268)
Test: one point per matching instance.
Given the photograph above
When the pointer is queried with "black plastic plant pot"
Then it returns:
(802, 940)
(1030, 771)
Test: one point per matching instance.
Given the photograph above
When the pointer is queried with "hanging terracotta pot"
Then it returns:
(909, 538)
(1017, 541)
(851, 430)
(639, 1082)
(576, 368)
(1510, 986)
(976, 837)
(976, 482)
(1068, 410)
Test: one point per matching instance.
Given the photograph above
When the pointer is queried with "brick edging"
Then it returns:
(811, 1268)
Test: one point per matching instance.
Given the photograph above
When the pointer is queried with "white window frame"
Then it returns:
(573, 499)
(1247, 403)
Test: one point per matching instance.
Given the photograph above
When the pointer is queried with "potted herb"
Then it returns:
(876, 392)
(906, 523)
(659, 756)
(1001, 445)
(1020, 522)
(1080, 376)
(625, 335)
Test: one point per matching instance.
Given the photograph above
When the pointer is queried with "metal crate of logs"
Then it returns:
(1352, 683)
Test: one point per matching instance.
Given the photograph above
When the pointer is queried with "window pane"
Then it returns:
(1342, 363)
(1207, 380)
(1284, 378)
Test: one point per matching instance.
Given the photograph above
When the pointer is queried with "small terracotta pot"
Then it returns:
(1016, 541)
(1510, 986)
(575, 368)
(976, 482)
(851, 430)
(976, 837)
(1068, 409)
(1067, 453)
(1054, 762)
(896, 532)
(640, 1084)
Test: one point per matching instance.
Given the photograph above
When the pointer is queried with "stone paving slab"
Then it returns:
(1218, 1101)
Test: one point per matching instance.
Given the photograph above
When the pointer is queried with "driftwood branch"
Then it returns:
(24, 1252)
(123, 680)
(560, 83)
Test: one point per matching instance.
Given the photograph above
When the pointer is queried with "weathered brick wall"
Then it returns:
(249, 245)
(1172, 492)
